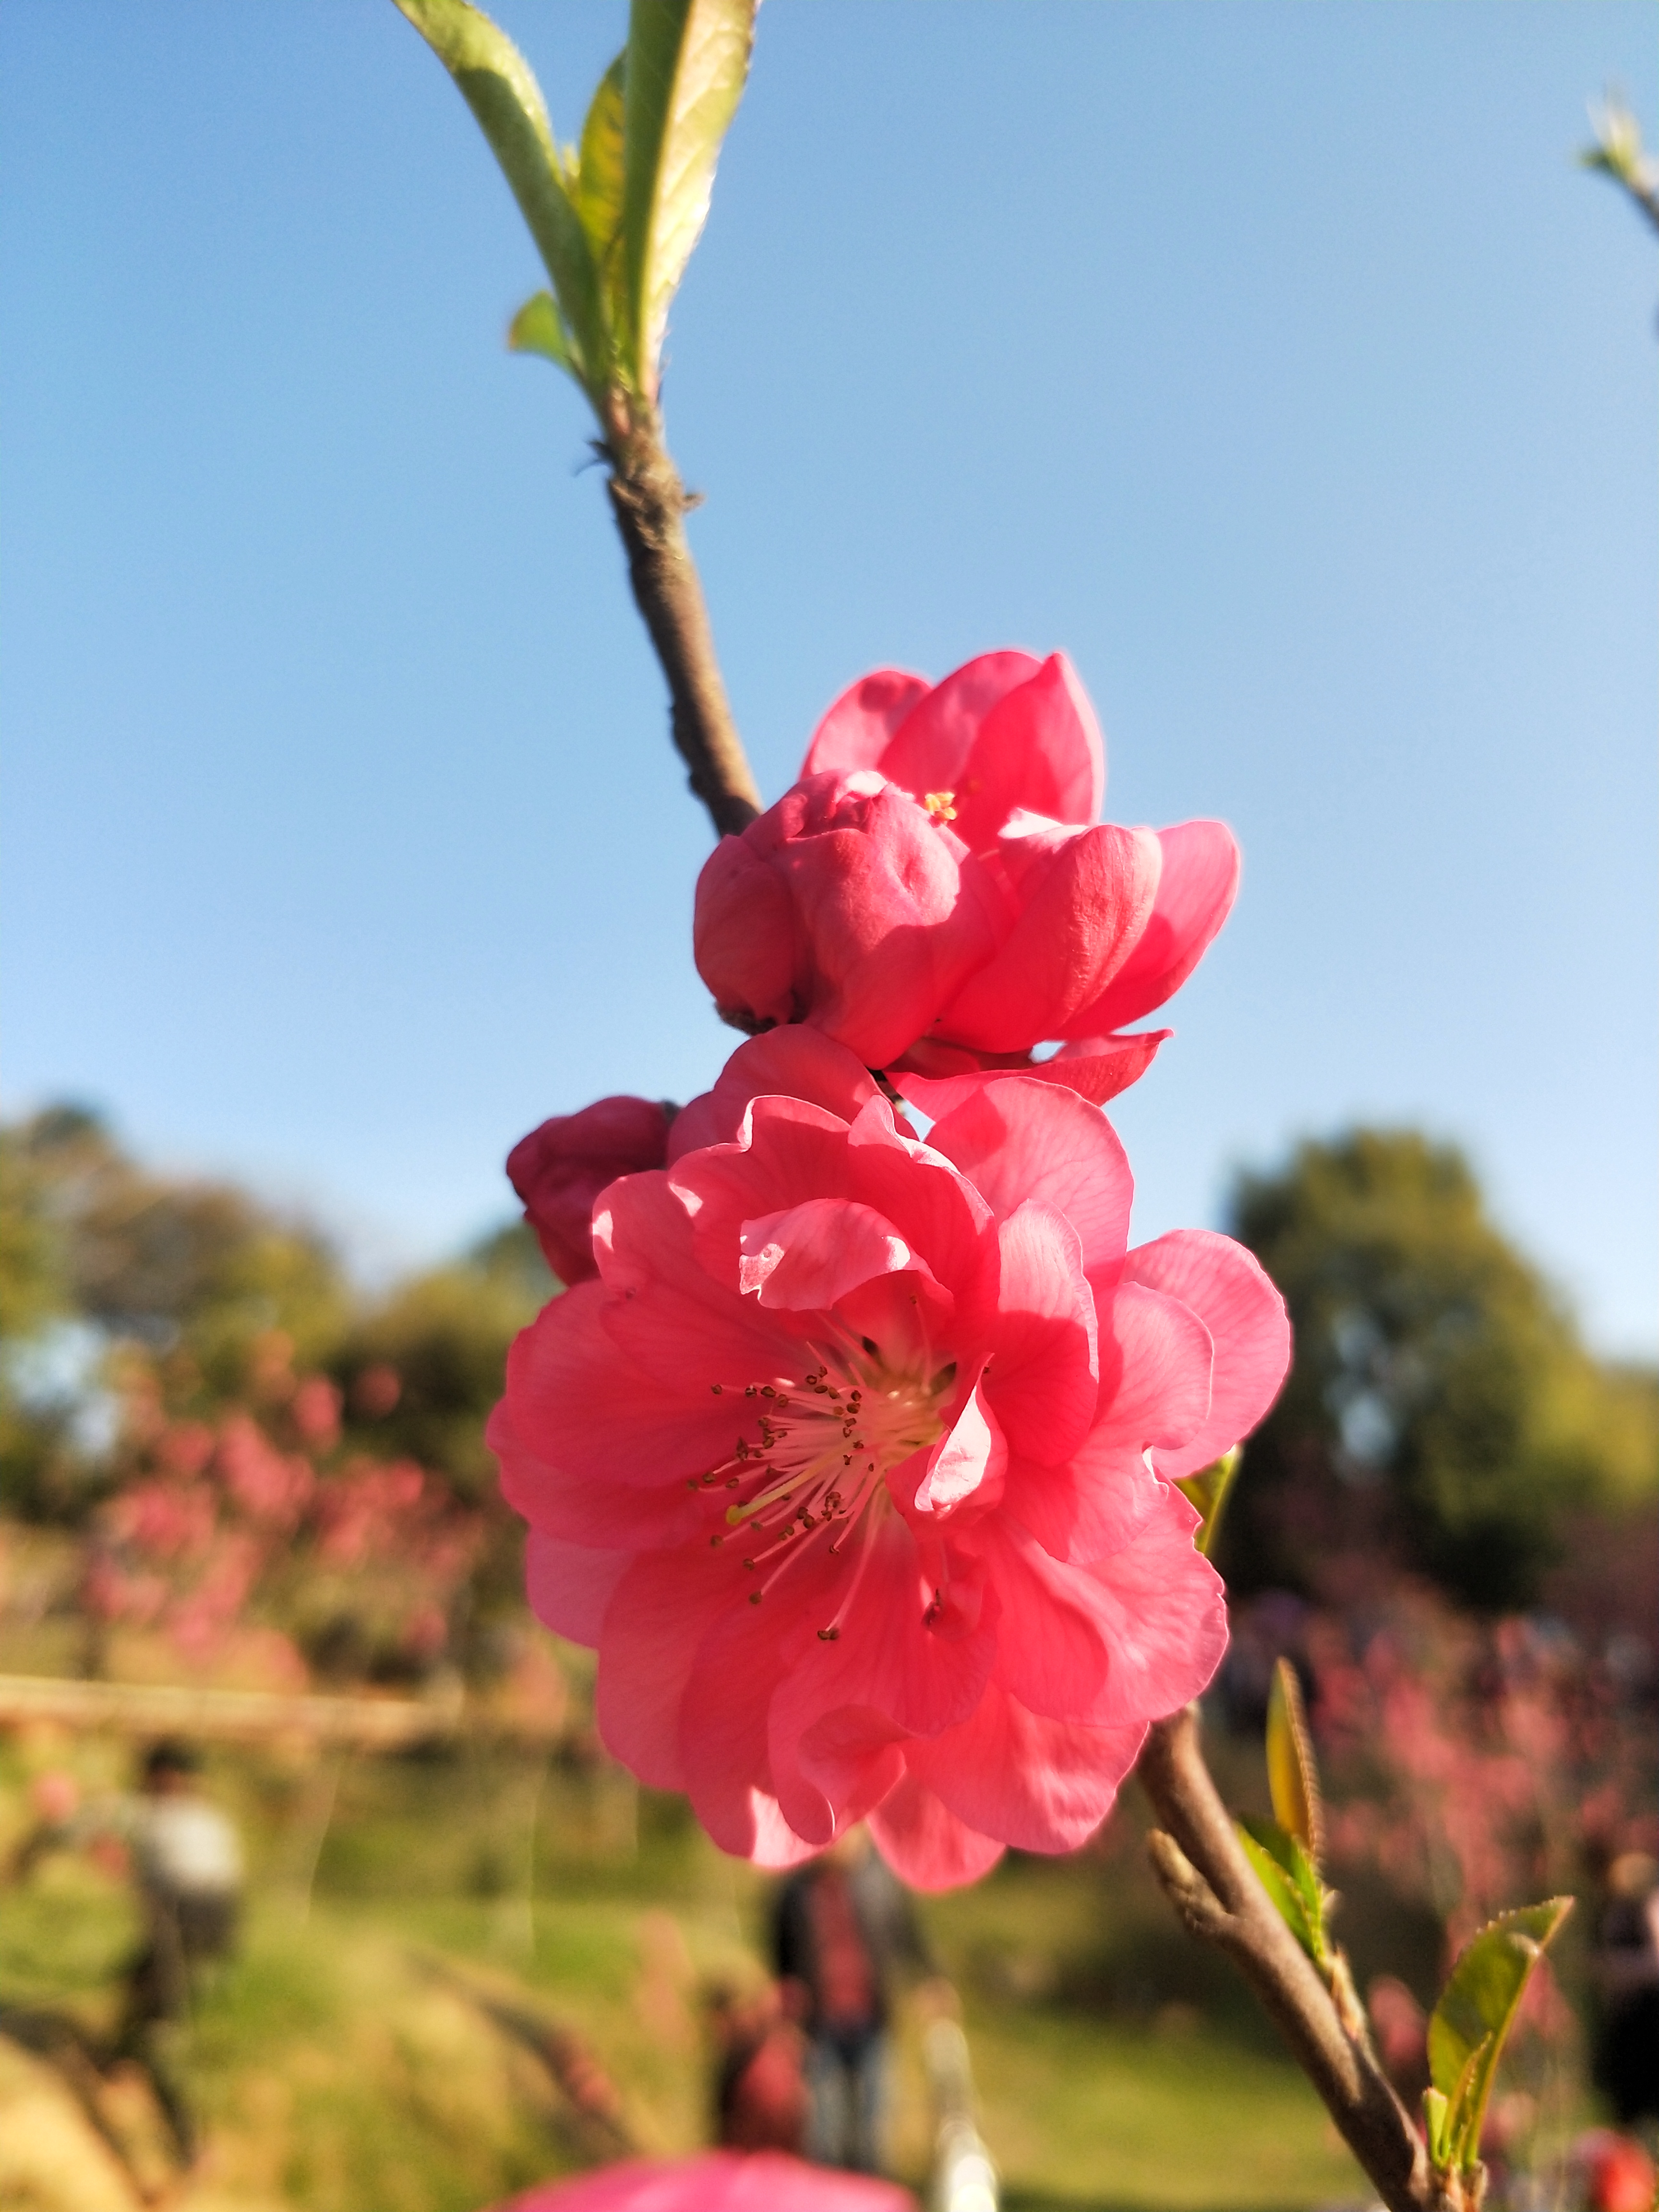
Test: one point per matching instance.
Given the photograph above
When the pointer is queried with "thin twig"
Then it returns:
(1206, 1877)
(650, 503)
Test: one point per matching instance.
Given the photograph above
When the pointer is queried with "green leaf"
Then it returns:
(600, 167)
(1207, 1491)
(1289, 1876)
(538, 327)
(497, 84)
(1470, 2025)
(687, 61)
(1292, 1773)
(1437, 2114)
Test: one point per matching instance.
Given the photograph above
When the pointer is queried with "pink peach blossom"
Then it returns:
(717, 2181)
(856, 1464)
(559, 1169)
(937, 891)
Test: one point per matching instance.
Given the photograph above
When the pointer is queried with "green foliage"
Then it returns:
(615, 219)
(1440, 1400)
(176, 1263)
(1288, 1851)
(684, 71)
(1292, 1774)
(1207, 1492)
(1470, 2025)
(1291, 1880)
(444, 1335)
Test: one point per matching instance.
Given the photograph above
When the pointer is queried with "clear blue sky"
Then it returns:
(1274, 360)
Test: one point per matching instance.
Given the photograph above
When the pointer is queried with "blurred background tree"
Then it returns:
(146, 1315)
(1441, 1410)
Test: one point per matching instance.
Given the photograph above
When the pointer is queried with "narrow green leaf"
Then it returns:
(538, 327)
(1207, 1491)
(1437, 2111)
(1292, 1771)
(1284, 1870)
(498, 85)
(1470, 2025)
(687, 61)
(600, 166)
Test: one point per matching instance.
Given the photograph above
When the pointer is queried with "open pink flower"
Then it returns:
(559, 1169)
(938, 892)
(855, 1465)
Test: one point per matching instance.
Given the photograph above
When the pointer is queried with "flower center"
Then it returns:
(813, 1470)
(941, 805)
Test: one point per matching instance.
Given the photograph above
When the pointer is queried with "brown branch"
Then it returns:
(650, 502)
(1205, 1875)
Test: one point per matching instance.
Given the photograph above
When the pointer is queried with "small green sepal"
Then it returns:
(1207, 1491)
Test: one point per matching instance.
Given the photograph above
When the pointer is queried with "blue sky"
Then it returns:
(1274, 360)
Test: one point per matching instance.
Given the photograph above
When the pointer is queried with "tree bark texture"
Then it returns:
(649, 502)
(1202, 1865)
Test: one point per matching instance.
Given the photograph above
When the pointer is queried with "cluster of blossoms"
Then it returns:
(213, 1525)
(854, 1451)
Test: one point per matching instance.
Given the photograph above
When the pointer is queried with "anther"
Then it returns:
(731, 1482)
(717, 1388)
(825, 1635)
(755, 1596)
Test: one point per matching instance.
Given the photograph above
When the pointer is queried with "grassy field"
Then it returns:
(348, 2062)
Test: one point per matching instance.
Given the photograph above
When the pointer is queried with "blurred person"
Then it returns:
(185, 1862)
(761, 2097)
(1625, 1963)
(841, 1924)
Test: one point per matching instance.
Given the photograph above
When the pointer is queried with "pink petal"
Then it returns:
(559, 1169)
(1245, 1315)
(925, 1845)
(1195, 891)
(972, 1456)
(1155, 1359)
(795, 1062)
(1098, 1068)
(916, 1654)
(666, 1604)
(884, 914)
(1163, 1613)
(1083, 914)
(1052, 1652)
(936, 1078)
(776, 1845)
(591, 1450)
(792, 1153)
(716, 2181)
(743, 937)
(806, 1256)
(1041, 1785)
(723, 1716)
(1089, 1507)
(1039, 748)
(1016, 1139)
(859, 728)
(687, 1329)
(569, 1585)
(930, 749)
(1155, 1366)
(841, 1769)
(1044, 1376)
